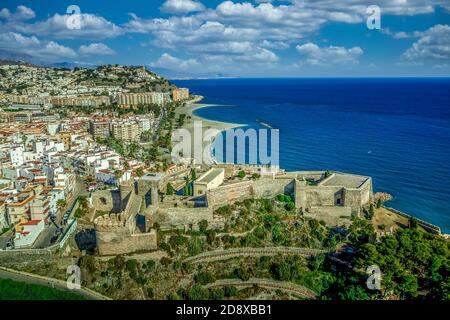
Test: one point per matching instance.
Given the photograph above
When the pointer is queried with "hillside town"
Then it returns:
(87, 179)
(48, 159)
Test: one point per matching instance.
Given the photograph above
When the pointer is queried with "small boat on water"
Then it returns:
(264, 124)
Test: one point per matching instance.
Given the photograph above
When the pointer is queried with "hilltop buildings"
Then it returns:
(127, 129)
(39, 164)
(84, 101)
(180, 94)
(37, 89)
(137, 99)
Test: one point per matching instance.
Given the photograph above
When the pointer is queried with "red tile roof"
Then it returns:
(31, 223)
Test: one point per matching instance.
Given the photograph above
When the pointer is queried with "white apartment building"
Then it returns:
(16, 155)
(145, 123)
(53, 128)
(136, 99)
(27, 233)
(109, 176)
(127, 131)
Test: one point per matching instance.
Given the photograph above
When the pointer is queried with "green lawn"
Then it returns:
(13, 290)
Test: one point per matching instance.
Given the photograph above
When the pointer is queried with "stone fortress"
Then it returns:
(118, 232)
(139, 209)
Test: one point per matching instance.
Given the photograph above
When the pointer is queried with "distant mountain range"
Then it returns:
(176, 75)
(65, 65)
(12, 62)
(70, 65)
(14, 59)
(24, 59)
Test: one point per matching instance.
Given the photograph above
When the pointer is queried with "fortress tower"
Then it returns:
(117, 233)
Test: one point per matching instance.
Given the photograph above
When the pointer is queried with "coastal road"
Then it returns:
(79, 190)
(48, 282)
(44, 240)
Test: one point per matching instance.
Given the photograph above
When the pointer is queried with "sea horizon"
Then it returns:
(424, 199)
(313, 77)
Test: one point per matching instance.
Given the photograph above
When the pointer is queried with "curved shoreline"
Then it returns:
(223, 126)
(189, 111)
(192, 118)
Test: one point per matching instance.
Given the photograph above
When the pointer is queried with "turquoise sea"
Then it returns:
(396, 130)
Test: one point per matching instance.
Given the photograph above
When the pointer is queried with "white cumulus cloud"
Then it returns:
(96, 49)
(46, 51)
(332, 55)
(182, 6)
(433, 44)
(58, 27)
(21, 13)
(167, 61)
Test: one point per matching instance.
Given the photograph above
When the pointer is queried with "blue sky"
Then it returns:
(259, 38)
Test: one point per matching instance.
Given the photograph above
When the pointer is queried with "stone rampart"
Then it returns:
(106, 201)
(25, 255)
(181, 218)
(240, 191)
(117, 233)
(229, 194)
(332, 216)
(116, 241)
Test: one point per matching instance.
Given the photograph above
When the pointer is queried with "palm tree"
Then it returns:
(24, 139)
(139, 172)
(61, 204)
(132, 149)
(118, 173)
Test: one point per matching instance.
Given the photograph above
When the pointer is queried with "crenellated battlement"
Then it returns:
(110, 222)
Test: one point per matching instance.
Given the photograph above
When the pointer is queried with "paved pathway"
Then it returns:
(218, 255)
(268, 284)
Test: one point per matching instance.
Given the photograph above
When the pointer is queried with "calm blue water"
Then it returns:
(395, 130)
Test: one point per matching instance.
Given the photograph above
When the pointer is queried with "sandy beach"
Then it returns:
(191, 118)
(189, 109)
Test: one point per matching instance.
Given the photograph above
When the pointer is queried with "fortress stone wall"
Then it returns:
(229, 194)
(114, 241)
(350, 191)
(106, 201)
(268, 188)
(117, 233)
(160, 180)
(332, 216)
(182, 218)
(333, 198)
(240, 191)
(315, 196)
